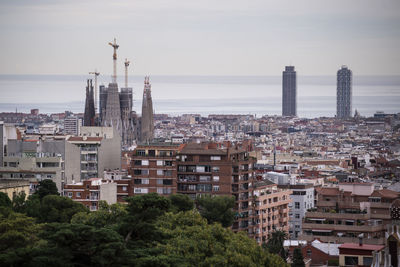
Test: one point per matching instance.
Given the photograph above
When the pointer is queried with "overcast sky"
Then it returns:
(200, 37)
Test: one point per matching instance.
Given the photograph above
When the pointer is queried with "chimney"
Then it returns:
(360, 239)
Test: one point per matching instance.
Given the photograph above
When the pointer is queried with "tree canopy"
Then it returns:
(217, 209)
(46, 187)
(150, 230)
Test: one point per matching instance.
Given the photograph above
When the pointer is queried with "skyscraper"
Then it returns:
(147, 124)
(89, 116)
(289, 92)
(344, 93)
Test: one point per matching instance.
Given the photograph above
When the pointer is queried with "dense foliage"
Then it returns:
(298, 260)
(150, 230)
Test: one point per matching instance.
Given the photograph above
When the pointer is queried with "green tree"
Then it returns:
(298, 260)
(217, 209)
(275, 243)
(18, 202)
(143, 211)
(32, 206)
(59, 209)
(107, 215)
(79, 245)
(190, 241)
(18, 234)
(5, 200)
(180, 202)
(46, 187)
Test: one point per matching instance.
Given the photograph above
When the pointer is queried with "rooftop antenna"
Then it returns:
(95, 88)
(115, 46)
(126, 72)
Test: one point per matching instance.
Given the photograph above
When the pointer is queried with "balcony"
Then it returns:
(343, 239)
(343, 227)
(328, 215)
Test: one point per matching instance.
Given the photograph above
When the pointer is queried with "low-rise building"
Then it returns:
(91, 191)
(13, 187)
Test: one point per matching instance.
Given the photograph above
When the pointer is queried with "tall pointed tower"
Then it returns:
(147, 124)
(89, 115)
(113, 109)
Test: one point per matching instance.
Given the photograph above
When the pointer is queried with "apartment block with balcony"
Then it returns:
(153, 169)
(344, 212)
(302, 197)
(271, 209)
(213, 169)
(91, 191)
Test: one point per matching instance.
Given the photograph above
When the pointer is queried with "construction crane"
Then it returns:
(95, 88)
(115, 46)
(126, 72)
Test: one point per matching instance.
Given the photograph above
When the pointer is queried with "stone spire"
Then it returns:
(89, 116)
(147, 123)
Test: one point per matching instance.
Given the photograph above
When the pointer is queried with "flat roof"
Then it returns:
(363, 247)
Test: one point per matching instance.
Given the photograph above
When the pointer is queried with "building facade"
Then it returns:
(289, 92)
(153, 169)
(72, 125)
(343, 213)
(91, 191)
(302, 197)
(344, 93)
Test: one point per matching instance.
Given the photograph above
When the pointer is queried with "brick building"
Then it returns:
(153, 169)
(91, 191)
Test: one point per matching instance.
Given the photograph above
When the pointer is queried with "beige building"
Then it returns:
(12, 187)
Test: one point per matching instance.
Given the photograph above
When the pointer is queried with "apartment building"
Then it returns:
(344, 212)
(153, 168)
(302, 197)
(271, 210)
(213, 169)
(91, 191)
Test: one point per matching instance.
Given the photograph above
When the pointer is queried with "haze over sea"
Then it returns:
(261, 95)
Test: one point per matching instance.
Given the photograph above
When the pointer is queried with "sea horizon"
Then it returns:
(202, 94)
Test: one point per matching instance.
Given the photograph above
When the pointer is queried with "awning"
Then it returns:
(322, 231)
(315, 219)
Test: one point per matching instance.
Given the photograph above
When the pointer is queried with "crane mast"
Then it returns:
(126, 72)
(115, 46)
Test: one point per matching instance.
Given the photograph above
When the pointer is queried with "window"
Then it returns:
(167, 181)
(297, 216)
(70, 194)
(297, 205)
(215, 169)
(160, 172)
(124, 188)
(160, 162)
(216, 188)
(141, 152)
(159, 181)
(78, 194)
(145, 172)
(367, 261)
(159, 190)
(168, 173)
(216, 178)
(308, 253)
(168, 163)
(140, 190)
(350, 260)
(145, 162)
(137, 162)
(137, 181)
(145, 181)
(215, 157)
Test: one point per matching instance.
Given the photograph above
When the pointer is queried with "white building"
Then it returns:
(302, 200)
(72, 125)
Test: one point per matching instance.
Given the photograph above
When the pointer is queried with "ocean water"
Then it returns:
(260, 95)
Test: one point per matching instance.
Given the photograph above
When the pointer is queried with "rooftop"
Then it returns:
(362, 247)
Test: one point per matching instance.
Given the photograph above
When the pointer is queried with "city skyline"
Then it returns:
(224, 38)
